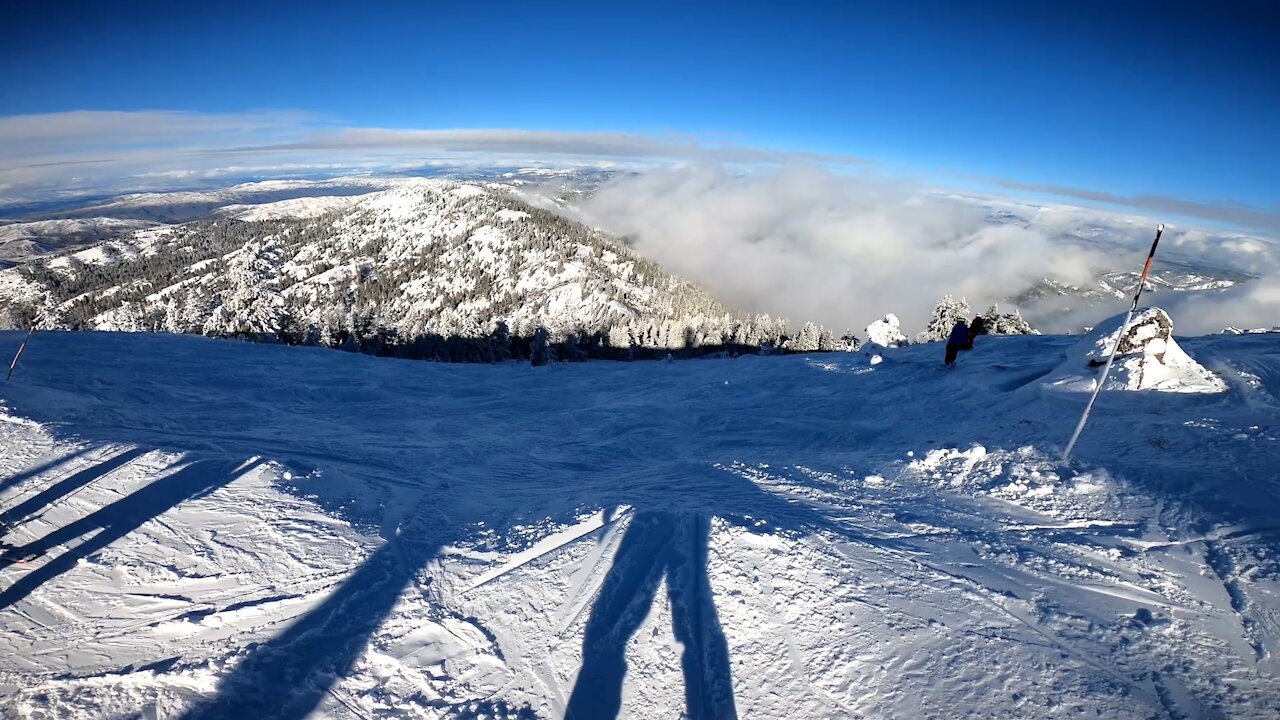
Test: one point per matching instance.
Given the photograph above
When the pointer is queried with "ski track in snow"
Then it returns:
(216, 529)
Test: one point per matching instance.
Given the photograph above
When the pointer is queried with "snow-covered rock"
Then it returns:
(1148, 358)
(886, 332)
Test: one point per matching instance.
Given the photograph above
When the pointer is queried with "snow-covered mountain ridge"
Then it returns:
(1193, 264)
(22, 240)
(389, 272)
(183, 205)
(217, 529)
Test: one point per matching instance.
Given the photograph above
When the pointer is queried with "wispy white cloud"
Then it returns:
(616, 145)
(1239, 215)
(69, 153)
(65, 136)
(97, 151)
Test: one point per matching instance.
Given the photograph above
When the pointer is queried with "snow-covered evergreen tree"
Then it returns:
(944, 318)
(997, 323)
(827, 341)
(806, 340)
(619, 338)
(252, 307)
(540, 352)
(886, 332)
(848, 342)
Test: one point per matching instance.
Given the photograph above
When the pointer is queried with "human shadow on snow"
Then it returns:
(32, 507)
(673, 502)
(289, 675)
(656, 545)
(111, 522)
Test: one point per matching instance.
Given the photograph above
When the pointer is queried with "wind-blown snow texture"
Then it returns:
(220, 529)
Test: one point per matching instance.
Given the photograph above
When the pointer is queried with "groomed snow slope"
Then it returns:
(230, 530)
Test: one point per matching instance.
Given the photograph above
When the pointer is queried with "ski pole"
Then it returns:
(21, 347)
(1142, 281)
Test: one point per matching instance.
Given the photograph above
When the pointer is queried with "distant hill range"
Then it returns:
(429, 269)
(477, 264)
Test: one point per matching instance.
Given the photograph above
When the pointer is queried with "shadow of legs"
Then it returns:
(656, 544)
(708, 682)
(288, 676)
(623, 603)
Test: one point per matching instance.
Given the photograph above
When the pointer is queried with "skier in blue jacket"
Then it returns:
(960, 339)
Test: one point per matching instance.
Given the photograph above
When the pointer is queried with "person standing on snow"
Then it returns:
(960, 339)
(976, 328)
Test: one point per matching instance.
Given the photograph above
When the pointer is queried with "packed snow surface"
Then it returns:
(214, 529)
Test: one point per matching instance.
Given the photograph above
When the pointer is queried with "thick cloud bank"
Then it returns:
(1251, 305)
(838, 250)
(844, 251)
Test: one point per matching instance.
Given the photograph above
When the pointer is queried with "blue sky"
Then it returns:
(1120, 99)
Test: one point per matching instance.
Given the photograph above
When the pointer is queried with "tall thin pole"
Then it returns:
(1142, 281)
(21, 347)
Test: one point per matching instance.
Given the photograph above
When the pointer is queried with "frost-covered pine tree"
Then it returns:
(195, 310)
(1012, 323)
(886, 332)
(827, 342)
(252, 306)
(849, 342)
(806, 341)
(129, 317)
(500, 342)
(944, 318)
(173, 314)
(619, 337)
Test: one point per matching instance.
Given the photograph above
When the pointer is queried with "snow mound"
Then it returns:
(511, 215)
(467, 191)
(1148, 359)
(304, 207)
(886, 332)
